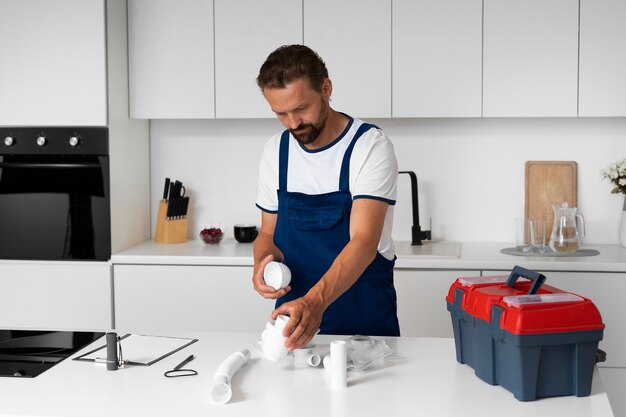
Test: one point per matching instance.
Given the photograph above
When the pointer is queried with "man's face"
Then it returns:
(300, 108)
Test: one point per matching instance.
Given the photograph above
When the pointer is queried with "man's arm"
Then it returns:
(367, 219)
(264, 252)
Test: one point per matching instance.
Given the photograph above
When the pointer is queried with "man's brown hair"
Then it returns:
(289, 63)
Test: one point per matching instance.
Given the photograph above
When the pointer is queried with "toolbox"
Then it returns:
(530, 338)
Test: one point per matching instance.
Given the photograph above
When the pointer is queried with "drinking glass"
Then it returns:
(537, 234)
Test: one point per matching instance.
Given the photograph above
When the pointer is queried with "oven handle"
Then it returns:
(27, 165)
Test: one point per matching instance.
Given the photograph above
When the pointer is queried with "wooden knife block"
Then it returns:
(170, 231)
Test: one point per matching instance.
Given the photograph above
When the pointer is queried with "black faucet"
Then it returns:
(417, 234)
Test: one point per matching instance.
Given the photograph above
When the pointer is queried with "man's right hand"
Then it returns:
(259, 283)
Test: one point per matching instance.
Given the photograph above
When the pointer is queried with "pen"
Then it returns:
(185, 362)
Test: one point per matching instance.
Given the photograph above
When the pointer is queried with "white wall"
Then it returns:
(470, 171)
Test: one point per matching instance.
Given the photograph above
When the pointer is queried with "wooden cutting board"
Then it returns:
(547, 183)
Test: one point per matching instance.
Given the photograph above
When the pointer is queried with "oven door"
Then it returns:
(55, 207)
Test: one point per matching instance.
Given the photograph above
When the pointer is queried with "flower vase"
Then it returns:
(622, 226)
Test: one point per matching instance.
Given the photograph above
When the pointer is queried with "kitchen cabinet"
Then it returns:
(245, 34)
(437, 58)
(604, 289)
(354, 39)
(530, 58)
(55, 295)
(602, 84)
(53, 68)
(171, 61)
(422, 301)
(161, 298)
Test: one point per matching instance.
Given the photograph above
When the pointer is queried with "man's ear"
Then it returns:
(327, 87)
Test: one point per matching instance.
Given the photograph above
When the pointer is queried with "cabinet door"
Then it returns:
(530, 61)
(602, 59)
(246, 31)
(53, 68)
(156, 298)
(42, 295)
(437, 51)
(603, 288)
(422, 301)
(170, 47)
(353, 37)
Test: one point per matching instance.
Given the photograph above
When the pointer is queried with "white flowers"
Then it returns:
(616, 173)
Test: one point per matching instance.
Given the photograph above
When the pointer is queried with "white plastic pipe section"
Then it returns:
(221, 392)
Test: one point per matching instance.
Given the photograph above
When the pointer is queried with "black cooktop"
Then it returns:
(28, 353)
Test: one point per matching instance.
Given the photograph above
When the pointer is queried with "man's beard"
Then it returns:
(307, 133)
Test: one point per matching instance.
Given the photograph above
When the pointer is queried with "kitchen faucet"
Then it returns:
(417, 234)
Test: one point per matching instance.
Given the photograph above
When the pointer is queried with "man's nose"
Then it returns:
(293, 121)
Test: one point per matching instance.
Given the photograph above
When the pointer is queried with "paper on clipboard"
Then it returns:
(140, 349)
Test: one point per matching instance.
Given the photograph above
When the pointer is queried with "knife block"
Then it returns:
(170, 231)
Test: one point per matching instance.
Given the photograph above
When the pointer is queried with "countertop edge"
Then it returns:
(474, 256)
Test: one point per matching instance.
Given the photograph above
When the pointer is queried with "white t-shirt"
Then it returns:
(373, 172)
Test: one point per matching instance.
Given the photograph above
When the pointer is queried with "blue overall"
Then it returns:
(311, 230)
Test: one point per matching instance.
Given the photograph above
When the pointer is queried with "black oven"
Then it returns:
(54, 193)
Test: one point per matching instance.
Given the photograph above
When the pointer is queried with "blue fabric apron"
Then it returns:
(311, 230)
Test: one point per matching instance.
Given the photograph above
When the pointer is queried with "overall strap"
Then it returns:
(344, 175)
(283, 161)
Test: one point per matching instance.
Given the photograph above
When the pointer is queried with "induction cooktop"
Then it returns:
(28, 353)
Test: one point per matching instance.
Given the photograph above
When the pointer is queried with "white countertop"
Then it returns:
(423, 379)
(485, 256)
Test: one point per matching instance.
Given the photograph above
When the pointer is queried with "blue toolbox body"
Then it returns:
(532, 339)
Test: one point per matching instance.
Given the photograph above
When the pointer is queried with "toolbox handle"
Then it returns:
(518, 271)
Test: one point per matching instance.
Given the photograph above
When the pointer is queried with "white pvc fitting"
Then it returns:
(276, 275)
(273, 341)
(305, 357)
(338, 364)
(221, 391)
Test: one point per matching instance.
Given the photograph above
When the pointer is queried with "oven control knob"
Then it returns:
(74, 141)
(41, 140)
(9, 141)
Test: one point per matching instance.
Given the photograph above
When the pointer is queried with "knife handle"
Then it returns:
(166, 189)
(170, 204)
(185, 206)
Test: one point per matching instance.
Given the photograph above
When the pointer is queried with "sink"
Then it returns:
(429, 249)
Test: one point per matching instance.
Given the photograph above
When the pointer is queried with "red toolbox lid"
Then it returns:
(528, 306)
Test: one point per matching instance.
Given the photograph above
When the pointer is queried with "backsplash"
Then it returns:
(470, 171)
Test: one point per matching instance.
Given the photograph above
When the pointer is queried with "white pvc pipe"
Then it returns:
(221, 391)
(338, 364)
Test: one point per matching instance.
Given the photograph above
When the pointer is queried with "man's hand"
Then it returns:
(259, 283)
(305, 317)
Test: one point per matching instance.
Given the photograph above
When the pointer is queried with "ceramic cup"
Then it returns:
(273, 341)
(245, 233)
(276, 275)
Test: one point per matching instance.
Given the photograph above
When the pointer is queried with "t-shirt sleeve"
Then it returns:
(267, 197)
(374, 168)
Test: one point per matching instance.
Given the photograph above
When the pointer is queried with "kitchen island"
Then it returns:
(422, 378)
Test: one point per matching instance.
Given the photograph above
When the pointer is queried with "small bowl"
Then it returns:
(212, 238)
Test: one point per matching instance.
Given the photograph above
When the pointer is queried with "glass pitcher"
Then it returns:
(568, 229)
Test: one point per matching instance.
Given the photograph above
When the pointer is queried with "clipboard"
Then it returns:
(142, 350)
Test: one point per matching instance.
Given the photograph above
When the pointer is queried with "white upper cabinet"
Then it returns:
(437, 66)
(530, 61)
(53, 69)
(602, 85)
(354, 39)
(171, 67)
(245, 34)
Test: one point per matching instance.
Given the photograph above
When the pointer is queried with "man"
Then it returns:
(327, 186)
